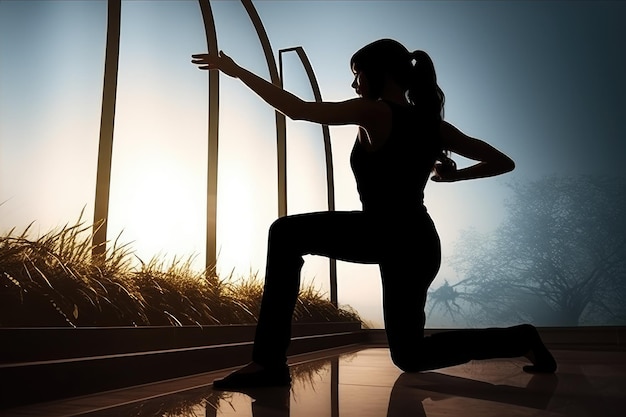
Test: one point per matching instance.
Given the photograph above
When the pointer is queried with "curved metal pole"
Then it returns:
(107, 118)
(325, 131)
(281, 127)
(330, 185)
(211, 222)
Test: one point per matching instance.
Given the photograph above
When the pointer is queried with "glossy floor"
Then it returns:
(362, 382)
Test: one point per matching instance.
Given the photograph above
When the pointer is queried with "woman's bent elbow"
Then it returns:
(508, 166)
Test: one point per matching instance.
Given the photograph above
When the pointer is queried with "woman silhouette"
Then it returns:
(402, 139)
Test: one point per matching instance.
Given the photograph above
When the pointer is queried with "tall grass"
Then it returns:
(53, 280)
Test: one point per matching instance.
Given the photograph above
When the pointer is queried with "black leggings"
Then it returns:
(407, 249)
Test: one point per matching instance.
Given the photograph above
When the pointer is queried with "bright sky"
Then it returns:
(542, 81)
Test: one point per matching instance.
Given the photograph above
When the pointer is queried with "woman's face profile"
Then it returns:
(360, 84)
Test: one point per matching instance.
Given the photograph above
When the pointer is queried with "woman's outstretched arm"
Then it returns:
(490, 161)
(357, 111)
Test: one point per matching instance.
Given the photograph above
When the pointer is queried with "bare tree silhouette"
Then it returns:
(558, 259)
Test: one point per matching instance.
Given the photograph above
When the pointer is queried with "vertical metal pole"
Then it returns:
(213, 139)
(105, 147)
(334, 387)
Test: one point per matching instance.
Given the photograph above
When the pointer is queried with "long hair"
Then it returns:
(412, 71)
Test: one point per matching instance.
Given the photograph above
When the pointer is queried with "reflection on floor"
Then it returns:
(362, 381)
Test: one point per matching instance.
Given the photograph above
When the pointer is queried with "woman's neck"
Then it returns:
(393, 93)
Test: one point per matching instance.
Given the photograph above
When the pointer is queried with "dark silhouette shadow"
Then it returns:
(269, 401)
(397, 89)
(574, 392)
(410, 390)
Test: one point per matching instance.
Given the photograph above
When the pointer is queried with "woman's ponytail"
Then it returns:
(424, 92)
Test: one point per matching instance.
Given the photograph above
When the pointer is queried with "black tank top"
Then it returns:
(391, 180)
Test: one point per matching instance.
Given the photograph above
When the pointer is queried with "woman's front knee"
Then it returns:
(285, 240)
(281, 228)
